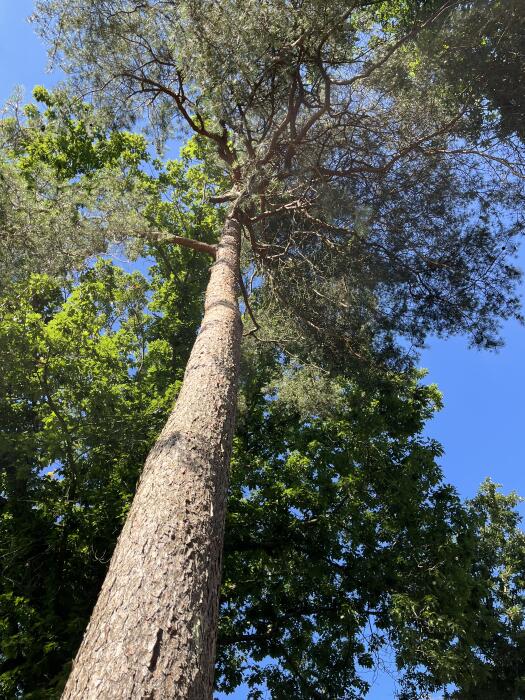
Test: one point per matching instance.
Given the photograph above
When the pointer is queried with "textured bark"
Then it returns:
(153, 630)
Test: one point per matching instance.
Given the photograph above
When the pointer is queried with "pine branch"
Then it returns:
(200, 246)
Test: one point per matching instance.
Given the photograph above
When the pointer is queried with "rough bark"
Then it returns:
(153, 630)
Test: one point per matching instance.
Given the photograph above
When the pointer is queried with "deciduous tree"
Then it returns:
(343, 543)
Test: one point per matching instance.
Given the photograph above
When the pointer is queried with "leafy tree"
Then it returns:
(486, 54)
(498, 570)
(57, 162)
(84, 364)
(74, 187)
(67, 399)
(370, 212)
(342, 540)
(76, 372)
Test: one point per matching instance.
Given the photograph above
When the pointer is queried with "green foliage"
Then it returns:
(481, 48)
(499, 568)
(343, 542)
(372, 147)
(72, 188)
(91, 365)
(89, 377)
(67, 135)
(68, 187)
(342, 539)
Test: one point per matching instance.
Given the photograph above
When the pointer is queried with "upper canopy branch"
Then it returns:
(393, 159)
(397, 45)
(200, 246)
(181, 100)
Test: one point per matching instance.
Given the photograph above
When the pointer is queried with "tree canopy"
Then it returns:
(375, 168)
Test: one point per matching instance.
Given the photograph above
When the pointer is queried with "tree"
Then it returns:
(342, 541)
(370, 213)
(74, 374)
(61, 160)
(486, 54)
(74, 186)
(499, 633)
(57, 160)
(338, 506)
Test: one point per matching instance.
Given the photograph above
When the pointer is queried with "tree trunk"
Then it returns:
(153, 630)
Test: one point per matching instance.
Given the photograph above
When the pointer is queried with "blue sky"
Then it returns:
(482, 424)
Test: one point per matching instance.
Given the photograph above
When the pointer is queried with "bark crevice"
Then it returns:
(156, 651)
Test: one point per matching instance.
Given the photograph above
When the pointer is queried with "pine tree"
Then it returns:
(370, 212)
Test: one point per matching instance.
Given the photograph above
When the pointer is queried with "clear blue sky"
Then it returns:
(482, 425)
